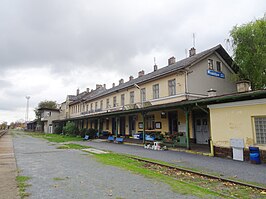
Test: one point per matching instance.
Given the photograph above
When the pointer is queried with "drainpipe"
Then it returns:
(187, 128)
(186, 84)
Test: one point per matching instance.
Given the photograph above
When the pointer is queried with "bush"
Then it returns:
(58, 129)
(83, 132)
(70, 129)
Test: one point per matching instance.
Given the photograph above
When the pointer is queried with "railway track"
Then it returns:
(2, 132)
(210, 176)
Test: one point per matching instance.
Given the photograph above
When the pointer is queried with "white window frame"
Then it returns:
(172, 87)
(156, 91)
(260, 129)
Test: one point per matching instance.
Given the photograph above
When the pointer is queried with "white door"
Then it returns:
(202, 131)
(51, 129)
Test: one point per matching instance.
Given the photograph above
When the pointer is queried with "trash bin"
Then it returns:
(254, 154)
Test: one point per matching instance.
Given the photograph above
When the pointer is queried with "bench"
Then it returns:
(149, 137)
(111, 139)
(86, 137)
(119, 140)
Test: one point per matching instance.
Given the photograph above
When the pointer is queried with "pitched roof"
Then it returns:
(160, 72)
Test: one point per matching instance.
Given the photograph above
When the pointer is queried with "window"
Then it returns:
(91, 106)
(171, 87)
(218, 66)
(155, 90)
(107, 103)
(101, 105)
(114, 101)
(96, 106)
(210, 64)
(260, 128)
(122, 99)
(87, 107)
(143, 94)
(149, 122)
(131, 97)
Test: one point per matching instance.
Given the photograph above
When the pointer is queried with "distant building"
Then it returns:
(48, 115)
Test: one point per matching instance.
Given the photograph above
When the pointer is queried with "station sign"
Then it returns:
(215, 73)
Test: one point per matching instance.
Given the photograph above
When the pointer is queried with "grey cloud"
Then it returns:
(5, 84)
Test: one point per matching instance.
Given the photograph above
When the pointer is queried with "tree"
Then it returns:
(3, 125)
(249, 51)
(47, 104)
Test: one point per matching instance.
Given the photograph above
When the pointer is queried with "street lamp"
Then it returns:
(27, 109)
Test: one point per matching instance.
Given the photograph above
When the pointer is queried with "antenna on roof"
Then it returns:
(194, 39)
(154, 59)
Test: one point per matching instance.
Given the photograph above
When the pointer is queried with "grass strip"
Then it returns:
(22, 185)
(137, 167)
(73, 146)
(55, 137)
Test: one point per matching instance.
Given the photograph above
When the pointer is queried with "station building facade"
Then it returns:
(157, 102)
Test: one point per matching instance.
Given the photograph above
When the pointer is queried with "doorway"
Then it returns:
(114, 126)
(122, 126)
(173, 122)
(132, 124)
(202, 130)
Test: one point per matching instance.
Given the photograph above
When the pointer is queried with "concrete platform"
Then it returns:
(8, 169)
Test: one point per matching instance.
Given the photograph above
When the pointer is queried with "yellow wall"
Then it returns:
(163, 94)
(235, 121)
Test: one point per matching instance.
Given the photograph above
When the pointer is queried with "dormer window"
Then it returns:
(210, 64)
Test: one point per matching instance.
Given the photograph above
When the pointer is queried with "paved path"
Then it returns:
(81, 176)
(8, 169)
(226, 167)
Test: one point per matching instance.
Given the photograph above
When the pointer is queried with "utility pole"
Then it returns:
(27, 109)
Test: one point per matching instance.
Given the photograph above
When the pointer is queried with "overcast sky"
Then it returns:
(49, 48)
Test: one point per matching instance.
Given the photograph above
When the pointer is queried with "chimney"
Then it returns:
(113, 85)
(121, 81)
(141, 73)
(155, 67)
(104, 86)
(243, 86)
(211, 93)
(77, 91)
(131, 77)
(192, 52)
(171, 60)
(88, 90)
(98, 86)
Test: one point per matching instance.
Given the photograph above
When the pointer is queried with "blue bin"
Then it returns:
(254, 154)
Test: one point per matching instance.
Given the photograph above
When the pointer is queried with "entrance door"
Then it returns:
(122, 126)
(50, 128)
(202, 130)
(172, 122)
(114, 126)
(132, 125)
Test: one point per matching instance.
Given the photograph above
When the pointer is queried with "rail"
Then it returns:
(2, 132)
(201, 174)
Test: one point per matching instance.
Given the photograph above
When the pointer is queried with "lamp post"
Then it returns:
(143, 114)
(27, 109)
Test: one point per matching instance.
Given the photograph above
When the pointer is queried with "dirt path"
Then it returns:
(8, 169)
